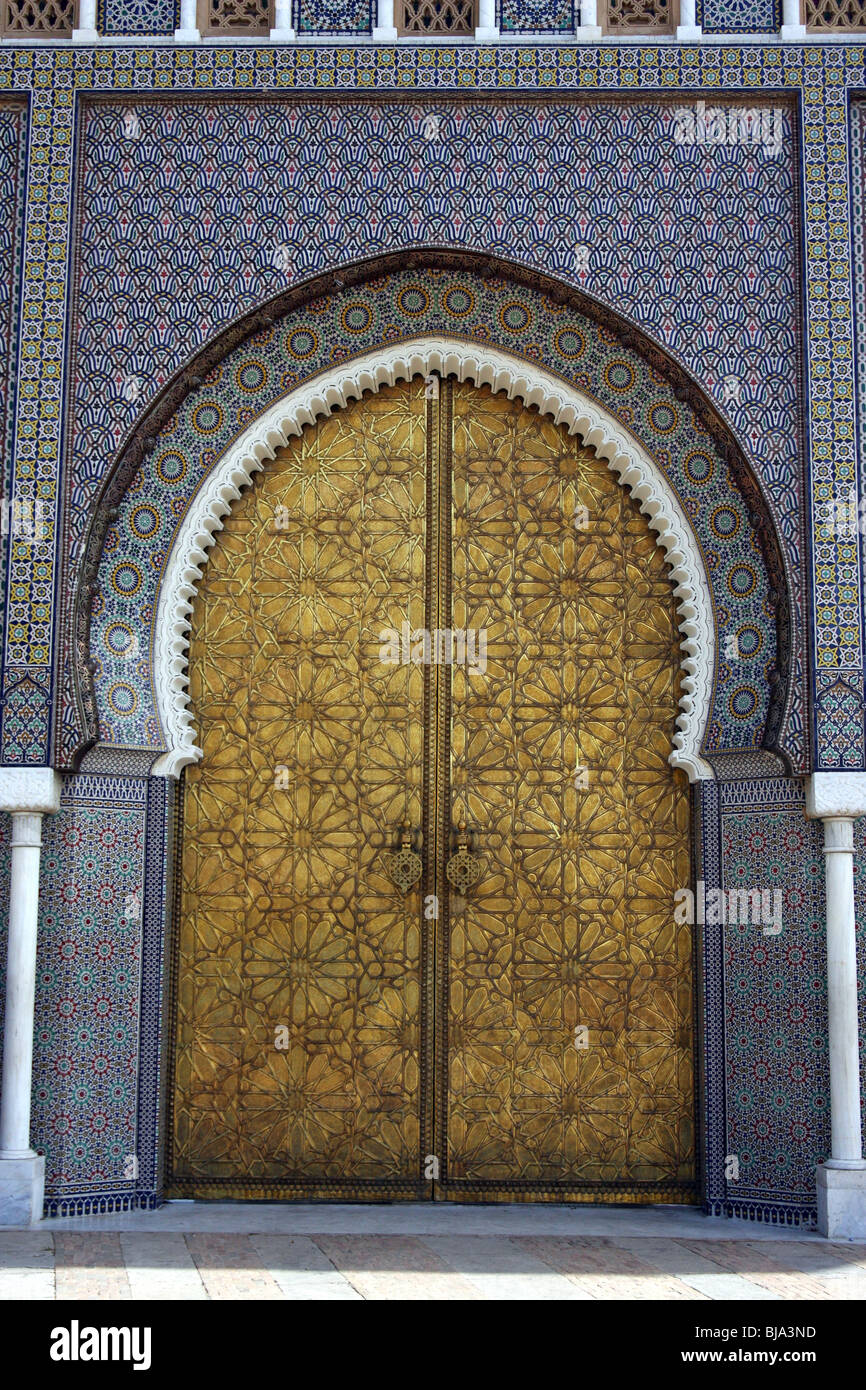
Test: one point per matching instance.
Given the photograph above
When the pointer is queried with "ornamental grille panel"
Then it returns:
(836, 14)
(435, 16)
(53, 17)
(529, 1036)
(238, 16)
(639, 17)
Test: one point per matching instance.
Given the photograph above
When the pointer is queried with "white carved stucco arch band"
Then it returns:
(484, 366)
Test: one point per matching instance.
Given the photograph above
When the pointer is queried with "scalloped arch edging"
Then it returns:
(624, 455)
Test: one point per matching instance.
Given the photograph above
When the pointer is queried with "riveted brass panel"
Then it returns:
(566, 1062)
(336, 1036)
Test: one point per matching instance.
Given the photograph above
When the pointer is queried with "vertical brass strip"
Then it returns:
(428, 923)
(443, 767)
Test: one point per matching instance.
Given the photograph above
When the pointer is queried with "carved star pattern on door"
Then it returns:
(332, 1037)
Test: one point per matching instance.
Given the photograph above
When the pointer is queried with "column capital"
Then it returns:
(34, 789)
(835, 794)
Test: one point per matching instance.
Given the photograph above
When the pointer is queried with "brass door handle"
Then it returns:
(404, 866)
(464, 868)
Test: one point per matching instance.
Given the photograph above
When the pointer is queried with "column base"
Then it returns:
(282, 36)
(689, 33)
(589, 33)
(85, 36)
(486, 35)
(22, 1188)
(187, 36)
(842, 1202)
(792, 33)
(385, 35)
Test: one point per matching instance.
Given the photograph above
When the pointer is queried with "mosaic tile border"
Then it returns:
(24, 715)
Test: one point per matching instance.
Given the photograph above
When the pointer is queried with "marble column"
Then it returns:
(28, 794)
(384, 31)
(282, 31)
(793, 29)
(589, 27)
(688, 29)
(487, 31)
(86, 30)
(188, 31)
(838, 798)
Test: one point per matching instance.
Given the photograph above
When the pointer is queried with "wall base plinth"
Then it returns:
(842, 1202)
(22, 1188)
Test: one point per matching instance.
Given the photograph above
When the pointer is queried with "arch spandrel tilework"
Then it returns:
(698, 247)
(388, 310)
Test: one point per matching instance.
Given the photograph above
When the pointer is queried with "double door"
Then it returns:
(424, 932)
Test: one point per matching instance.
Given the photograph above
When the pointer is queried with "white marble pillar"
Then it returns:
(838, 798)
(188, 31)
(86, 30)
(384, 31)
(589, 27)
(28, 793)
(688, 29)
(282, 31)
(487, 31)
(793, 29)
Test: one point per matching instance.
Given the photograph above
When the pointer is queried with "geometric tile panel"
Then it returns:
(116, 18)
(538, 16)
(335, 16)
(844, 577)
(26, 728)
(5, 866)
(777, 1081)
(88, 986)
(178, 232)
(740, 16)
(357, 321)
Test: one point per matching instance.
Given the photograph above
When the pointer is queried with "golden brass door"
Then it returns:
(403, 625)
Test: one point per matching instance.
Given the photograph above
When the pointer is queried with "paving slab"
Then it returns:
(302, 1269)
(160, 1266)
(90, 1266)
(26, 1265)
(698, 1270)
(384, 1267)
(503, 1269)
(230, 1267)
(605, 1271)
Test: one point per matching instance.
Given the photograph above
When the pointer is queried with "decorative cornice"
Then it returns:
(33, 789)
(831, 794)
(491, 367)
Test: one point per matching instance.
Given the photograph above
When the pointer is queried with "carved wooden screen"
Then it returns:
(638, 16)
(498, 1012)
(237, 17)
(435, 16)
(46, 18)
(835, 14)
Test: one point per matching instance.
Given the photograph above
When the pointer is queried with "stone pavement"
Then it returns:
(189, 1250)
